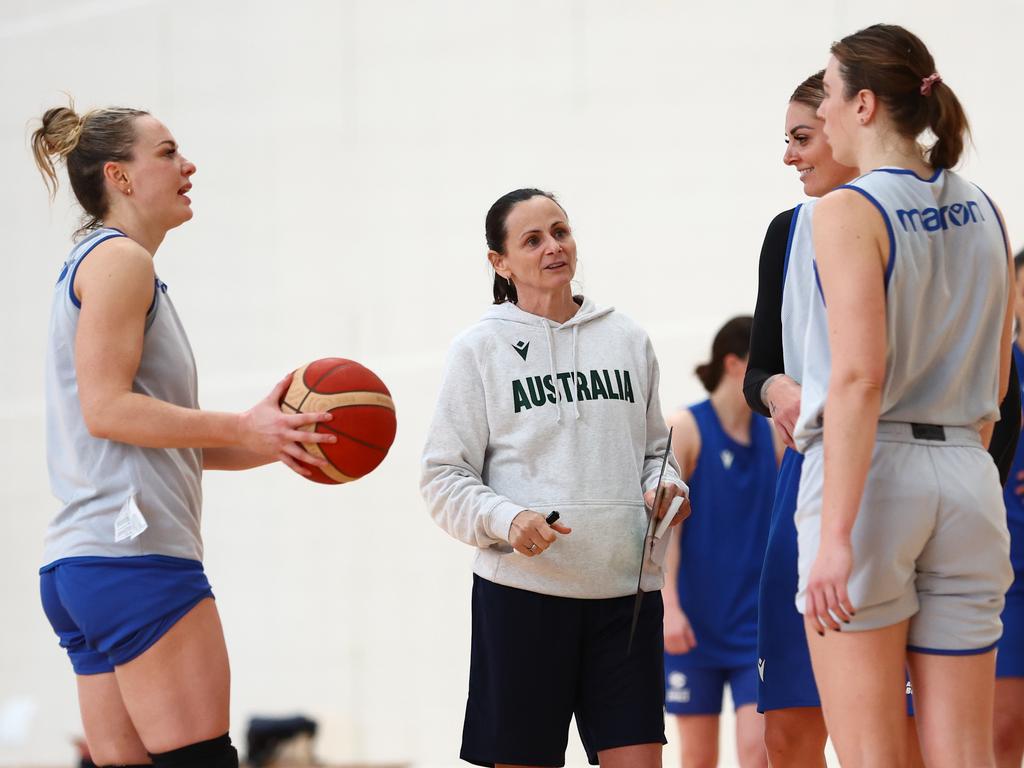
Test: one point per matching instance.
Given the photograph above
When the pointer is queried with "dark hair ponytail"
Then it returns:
(896, 66)
(948, 122)
(496, 234)
(733, 338)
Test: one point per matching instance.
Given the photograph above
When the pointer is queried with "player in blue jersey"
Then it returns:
(729, 458)
(122, 582)
(1009, 703)
(903, 542)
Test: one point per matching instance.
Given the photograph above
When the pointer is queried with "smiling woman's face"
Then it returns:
(808, 151)
(540, 252)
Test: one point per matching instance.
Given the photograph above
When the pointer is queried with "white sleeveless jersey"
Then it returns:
(110, 490)
(797, 290)
(947, 284)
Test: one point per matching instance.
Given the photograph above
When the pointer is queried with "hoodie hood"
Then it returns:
(511, 313)
(588, 311)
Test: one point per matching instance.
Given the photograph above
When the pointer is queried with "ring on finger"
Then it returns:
(532, 547)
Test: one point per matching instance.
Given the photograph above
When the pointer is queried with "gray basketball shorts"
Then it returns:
(930, 542)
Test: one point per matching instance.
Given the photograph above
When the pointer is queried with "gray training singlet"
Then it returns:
(947, 283)
(110, 491)
(797, 289)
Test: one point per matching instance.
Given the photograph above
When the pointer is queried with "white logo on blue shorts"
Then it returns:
(677, 692)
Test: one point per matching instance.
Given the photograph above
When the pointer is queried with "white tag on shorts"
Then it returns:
(130, 522)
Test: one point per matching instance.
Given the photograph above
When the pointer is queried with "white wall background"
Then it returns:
(347, 154)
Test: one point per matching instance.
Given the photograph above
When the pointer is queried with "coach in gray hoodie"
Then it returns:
(550, 403)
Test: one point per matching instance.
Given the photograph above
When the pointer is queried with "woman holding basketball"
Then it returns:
(548, 404)
(902, 532)
(123, 582)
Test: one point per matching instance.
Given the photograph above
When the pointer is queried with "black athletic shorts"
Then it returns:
(537, 660)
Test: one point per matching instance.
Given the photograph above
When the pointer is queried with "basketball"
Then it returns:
(364, 416)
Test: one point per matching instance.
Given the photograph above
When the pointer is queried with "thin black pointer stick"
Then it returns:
(643, 546)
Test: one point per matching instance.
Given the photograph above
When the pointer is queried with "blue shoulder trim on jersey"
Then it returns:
(817, 281)
(1002, 228)
(888, 228)
(71, 282)
(789, 243)
(944, 652)
(908, 172)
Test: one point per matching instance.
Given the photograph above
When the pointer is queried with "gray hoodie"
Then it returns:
(541, 416)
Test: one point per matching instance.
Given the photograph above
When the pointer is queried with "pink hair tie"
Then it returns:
(928, 82)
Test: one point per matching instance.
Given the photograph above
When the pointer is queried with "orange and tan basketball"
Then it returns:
(364, 416)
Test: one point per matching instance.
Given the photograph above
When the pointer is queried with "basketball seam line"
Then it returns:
(348, 405)
(324, 375)
(353, 439)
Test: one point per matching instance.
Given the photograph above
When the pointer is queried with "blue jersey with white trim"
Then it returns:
(722, 544)
(119, 500)
(947, 283)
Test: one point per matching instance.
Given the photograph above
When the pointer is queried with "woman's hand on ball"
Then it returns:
(530, 533)
(266, 430)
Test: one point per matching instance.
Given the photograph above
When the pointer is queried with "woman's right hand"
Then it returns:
(679, 637)
(782, 397)
(530, 533)
(266, 430)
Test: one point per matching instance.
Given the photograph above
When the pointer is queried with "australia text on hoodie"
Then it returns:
(538, 415)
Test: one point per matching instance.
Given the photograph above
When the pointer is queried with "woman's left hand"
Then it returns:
(668, 492)
(827, 602)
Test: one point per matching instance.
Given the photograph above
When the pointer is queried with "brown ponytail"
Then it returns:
(893, 63)
(733, 338)
(948, 122)
(85, 144)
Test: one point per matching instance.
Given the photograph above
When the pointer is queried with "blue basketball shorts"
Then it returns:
(691, 690)
(785, 676)
(108, 610)
(538, 660)
(1010, 656)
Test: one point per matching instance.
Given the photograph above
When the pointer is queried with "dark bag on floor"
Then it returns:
(267, 735)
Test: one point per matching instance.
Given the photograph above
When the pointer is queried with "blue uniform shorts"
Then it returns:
(698, 690)
(108, 610)
(785, 677)
(538, 660)
(1010, 656)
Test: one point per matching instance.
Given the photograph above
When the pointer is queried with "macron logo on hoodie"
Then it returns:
(536, 391)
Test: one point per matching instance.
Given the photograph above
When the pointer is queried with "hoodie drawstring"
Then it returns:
(575, 400)
(554, 374)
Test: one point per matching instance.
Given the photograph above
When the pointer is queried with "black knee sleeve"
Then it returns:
(93, 765)
(215, 753)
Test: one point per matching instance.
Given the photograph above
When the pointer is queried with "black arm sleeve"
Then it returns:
(765, 358)
(1007, 429)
